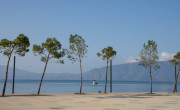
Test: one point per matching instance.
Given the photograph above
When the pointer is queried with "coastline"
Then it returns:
(91, 101)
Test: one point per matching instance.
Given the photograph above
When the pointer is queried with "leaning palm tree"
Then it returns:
(48, 50)
(17, 46)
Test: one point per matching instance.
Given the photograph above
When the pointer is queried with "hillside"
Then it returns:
(122, 72)
(134, 72)
(23, 75)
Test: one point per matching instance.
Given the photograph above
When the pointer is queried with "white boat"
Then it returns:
(95, 81)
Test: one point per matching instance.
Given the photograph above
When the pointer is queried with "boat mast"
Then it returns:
(95, 75)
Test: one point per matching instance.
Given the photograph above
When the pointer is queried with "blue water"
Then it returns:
(72, 86)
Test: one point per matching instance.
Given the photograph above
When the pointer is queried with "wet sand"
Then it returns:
(91, 101)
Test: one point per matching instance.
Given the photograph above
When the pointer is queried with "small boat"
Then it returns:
(95, 81)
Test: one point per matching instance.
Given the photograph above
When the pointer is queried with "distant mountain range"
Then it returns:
(122, 72)
(134, 72)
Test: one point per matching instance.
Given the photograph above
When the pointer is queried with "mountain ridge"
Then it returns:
(121, 72)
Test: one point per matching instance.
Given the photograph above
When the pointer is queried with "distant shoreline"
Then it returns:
(77, 80)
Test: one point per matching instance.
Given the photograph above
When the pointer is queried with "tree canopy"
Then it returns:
(107, 53)
(174, 61)
(77, 48)
(18, 46)
(177, 56)
(49, 49)
(148, 55)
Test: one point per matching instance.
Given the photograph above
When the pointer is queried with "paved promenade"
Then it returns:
(94, 101)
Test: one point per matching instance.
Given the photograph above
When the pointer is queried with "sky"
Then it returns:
(123, 24)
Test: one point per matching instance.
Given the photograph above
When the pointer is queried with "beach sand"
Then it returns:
(91, 101)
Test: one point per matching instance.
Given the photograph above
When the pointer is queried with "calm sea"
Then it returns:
(72, 86)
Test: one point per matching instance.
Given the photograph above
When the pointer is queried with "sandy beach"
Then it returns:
(91, 101)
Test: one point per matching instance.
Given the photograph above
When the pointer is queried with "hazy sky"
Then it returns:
(123, 24)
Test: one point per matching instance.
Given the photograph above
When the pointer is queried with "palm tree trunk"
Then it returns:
(5, 81)
(174, 90)
(14, 66)
(150, 80)
(43, 75)
(175, 78)
(81, 78)
(106, 77)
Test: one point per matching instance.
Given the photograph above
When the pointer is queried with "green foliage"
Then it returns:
(177, 56)
(60, 61)
(48, 50)
(77, 48)
(107, 53)
(174, 62)
(148, 55)
(6, 46)
(22, 44)
(37, 49)
(18, 46)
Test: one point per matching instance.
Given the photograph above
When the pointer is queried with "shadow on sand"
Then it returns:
(26, 95)
(146, 95)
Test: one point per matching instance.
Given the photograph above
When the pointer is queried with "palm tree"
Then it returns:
(175, 63)
(177, 57)
(106, 54)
